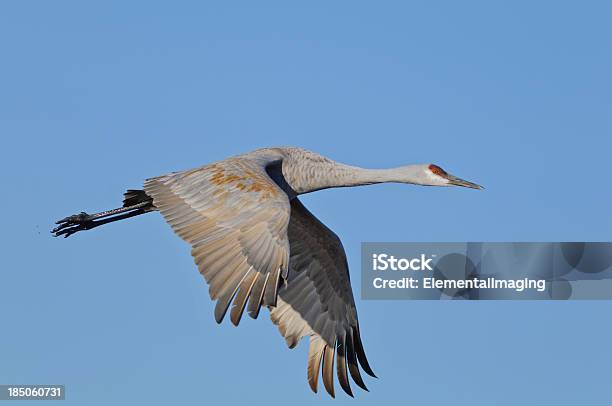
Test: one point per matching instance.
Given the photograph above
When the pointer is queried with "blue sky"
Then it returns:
(97, 97)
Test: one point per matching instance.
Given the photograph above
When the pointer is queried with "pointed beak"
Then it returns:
(455, 181)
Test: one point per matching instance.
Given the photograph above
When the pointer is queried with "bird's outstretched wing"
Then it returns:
(317, 301)
(235, 217)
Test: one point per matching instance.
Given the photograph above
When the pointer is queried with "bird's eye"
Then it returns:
(437, 170)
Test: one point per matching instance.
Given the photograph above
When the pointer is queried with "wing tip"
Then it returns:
(328, 369)
(363, 360)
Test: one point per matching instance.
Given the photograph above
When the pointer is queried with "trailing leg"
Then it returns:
(136, 202)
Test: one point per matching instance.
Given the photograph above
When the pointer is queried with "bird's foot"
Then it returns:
(72, 224)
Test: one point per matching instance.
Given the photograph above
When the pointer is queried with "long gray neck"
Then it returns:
(306, 176)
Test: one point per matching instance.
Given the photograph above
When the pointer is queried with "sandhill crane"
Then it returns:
(254, 241)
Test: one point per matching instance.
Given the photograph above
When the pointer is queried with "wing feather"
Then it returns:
(317, 301)
(257, 296)
(242, 297)
(363, 361)
(235, 217)
(352, 363)
(341, 366)
(315, 354)
(224, 302)
(328, 369)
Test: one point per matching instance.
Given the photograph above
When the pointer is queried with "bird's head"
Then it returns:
(433, 175)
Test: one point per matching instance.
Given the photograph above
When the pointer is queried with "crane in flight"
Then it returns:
(257, 245)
